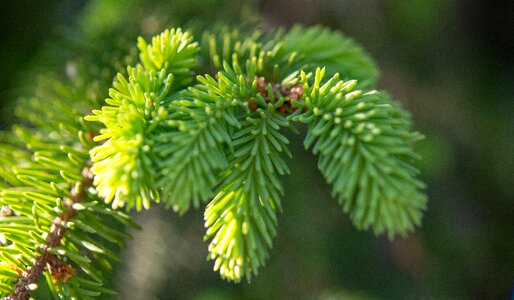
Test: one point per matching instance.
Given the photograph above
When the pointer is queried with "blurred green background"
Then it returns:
(451, 63)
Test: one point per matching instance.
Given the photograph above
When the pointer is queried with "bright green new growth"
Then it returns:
(222, 137)
(171, 137)
(123, 164)
(173, 52)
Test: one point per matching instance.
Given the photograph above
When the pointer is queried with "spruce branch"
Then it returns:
(53, 225)
(58, 269)
(222, 137)
(172, 137)
(125, 164)
(193, 153)
(365, 147)
(241, 219)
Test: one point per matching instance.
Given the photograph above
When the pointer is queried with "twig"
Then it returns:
(57, 231)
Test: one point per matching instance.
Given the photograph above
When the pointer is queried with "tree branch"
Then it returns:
(57, 268)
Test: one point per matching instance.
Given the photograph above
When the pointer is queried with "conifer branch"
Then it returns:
(241, 219)
(365, 146)
(53, 223)
(168, 135)
(58, 269)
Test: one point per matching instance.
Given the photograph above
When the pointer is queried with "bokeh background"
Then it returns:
(450, 62)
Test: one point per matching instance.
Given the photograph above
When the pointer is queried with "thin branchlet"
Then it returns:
(58, 268)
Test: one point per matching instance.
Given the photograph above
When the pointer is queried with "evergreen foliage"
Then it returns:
(51, 218)
(168, 135)
(365, 147)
